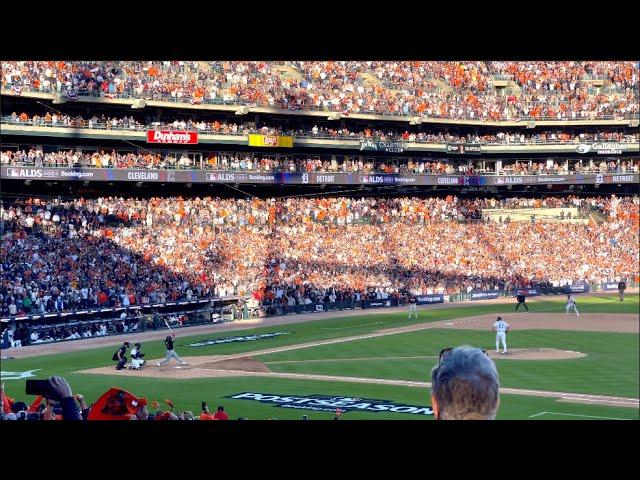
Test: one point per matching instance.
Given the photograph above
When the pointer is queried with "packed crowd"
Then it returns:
(387, 134)
(258, 162)
(452, 89)
(120, 252)
(58, 402)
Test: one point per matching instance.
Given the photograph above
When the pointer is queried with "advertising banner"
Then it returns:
(603, 148)
(300, 178)
(485, 295)
(577, 288)
(428, 299)
(609, 286)
(529, 292)
(256, 140)
(389, 302)
(510, 180)
(175, 137)
(378, 146)
(622, 178)
(463, 148)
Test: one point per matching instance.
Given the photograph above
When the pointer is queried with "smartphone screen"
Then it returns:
(37, 387)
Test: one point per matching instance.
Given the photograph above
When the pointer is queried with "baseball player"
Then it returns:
(501, 328)
(413, 307)
(137, 360)
(571, 303)
(171, 353)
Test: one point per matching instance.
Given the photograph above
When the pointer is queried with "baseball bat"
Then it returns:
(165, 322)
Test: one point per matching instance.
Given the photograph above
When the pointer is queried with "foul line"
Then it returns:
(576, 415)
(351, 326)
(349, 359)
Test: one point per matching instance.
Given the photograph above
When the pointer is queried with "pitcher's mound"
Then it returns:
(536, 354)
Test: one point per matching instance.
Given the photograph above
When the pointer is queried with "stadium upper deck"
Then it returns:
(428, 91)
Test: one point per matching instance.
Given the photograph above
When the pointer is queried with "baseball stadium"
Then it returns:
(320, 240)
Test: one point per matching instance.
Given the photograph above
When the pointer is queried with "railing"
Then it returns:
(107, 310)
(187, 100)
(310, 135)
(300, 166)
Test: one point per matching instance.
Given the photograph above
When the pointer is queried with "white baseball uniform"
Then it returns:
(571, 303)
(501, 327)
(413, 309)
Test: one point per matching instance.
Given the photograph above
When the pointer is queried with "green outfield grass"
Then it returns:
(610, 368)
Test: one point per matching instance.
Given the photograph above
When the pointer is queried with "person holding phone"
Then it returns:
(205, 414)
(55, 389)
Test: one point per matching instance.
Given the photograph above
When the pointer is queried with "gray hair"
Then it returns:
(465, 385)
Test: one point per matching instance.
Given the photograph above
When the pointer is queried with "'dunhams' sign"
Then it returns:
(325, 403)
(246, 338)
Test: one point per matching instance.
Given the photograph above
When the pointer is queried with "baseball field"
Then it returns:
(372, 364)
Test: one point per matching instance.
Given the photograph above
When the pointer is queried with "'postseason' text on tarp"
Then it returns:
(327, 403)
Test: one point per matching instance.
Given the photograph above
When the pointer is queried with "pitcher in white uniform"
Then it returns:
(501, 328)
(571, 303)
